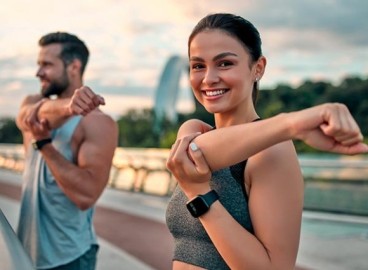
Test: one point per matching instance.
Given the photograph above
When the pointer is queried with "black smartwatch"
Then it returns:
(201, 204)
(37, 145)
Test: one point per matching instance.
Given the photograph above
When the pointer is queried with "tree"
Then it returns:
(136, 129)
(9, 132)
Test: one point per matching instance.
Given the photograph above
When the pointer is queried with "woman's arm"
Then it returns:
(327, 127)
(275, 205)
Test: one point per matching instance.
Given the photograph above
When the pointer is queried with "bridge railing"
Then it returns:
(132, 169)
(144, 170)
(12, 157)
(136, 168)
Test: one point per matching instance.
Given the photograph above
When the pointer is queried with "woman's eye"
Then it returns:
(225, 64)
(197, 66)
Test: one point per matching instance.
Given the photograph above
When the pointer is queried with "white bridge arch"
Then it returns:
(166, 95)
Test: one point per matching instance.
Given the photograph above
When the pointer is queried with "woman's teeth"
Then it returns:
(215, 93)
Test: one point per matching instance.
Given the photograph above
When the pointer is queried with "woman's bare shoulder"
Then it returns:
(192, 126)
(277, 159)
(278, 152)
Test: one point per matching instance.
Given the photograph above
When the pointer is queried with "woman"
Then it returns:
(248, 214)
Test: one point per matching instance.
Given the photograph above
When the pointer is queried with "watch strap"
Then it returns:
(37, 145)
(210, 197)
(201, 204)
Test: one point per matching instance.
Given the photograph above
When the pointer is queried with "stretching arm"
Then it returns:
(327, 127)
(57, 111)
(83, 181)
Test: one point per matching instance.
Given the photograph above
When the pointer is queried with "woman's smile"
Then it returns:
(215, 92)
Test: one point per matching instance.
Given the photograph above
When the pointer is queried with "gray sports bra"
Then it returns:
(192, 243)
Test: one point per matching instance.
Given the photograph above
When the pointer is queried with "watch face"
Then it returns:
(198, 206)
(34, 145)
(37, 145)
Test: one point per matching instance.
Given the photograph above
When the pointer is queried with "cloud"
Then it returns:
(130, 41)
(345, 21)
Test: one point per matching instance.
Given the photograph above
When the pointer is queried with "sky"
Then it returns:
(131, 40)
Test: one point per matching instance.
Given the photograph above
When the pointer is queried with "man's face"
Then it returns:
(52, 71)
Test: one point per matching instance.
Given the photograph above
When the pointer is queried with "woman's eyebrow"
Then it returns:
(222, 55)
(196, 59)
(217, 57)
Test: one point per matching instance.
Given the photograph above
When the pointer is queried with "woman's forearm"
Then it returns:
(226, 146)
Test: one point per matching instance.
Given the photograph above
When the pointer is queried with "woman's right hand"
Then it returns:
(188, 165)
(328, 127)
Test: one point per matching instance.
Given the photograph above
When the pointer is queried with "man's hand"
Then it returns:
(37, 127)
(84, 100)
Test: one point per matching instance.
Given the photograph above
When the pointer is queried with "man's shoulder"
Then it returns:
(99, 115)
(98, 118)
(96, 126)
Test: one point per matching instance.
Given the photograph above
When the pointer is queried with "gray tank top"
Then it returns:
(192, 243)
(52, 229)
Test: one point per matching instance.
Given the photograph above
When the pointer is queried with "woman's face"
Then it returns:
(221, 71)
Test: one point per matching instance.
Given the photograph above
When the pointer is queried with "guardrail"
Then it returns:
(334, 167)
(12, 255)
(12, 157)
(134, 168)
(144, 170)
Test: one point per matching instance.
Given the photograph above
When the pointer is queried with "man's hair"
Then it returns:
(72, 47)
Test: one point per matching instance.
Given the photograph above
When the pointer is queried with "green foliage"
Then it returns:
(136, 129)
(353, 92)
(9, 132)
(168, 139)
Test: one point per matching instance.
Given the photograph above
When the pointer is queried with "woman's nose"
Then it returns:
(211, 77)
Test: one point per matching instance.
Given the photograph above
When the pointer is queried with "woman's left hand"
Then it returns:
(188, 165)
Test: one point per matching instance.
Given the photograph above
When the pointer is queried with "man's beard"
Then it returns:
(56, 87)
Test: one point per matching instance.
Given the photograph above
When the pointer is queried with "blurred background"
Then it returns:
(316, 52)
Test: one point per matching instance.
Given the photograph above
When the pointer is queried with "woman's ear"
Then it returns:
(259, 68)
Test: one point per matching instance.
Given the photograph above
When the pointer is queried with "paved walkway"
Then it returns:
(133, 235)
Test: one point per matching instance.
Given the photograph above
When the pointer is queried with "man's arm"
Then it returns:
(27, 106)
(57, 111)
(84, 181)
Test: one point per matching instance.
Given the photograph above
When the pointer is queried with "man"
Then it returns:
(69, 145)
